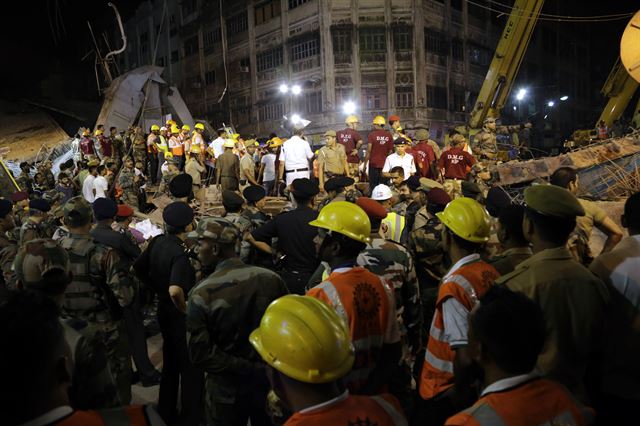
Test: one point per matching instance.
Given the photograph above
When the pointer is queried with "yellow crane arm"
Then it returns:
(506, 61)
(619, 88)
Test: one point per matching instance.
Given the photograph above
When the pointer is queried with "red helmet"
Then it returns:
(394, 118)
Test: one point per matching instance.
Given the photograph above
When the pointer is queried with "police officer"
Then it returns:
(99, 289)
(43, 267)
(254, 212)
(295, 236)
(222, 310)
(553, 279)
(8, 246)
(181, 187)
(165, 266)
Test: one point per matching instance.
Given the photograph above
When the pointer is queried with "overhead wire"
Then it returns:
(548, 17)
(509, 7)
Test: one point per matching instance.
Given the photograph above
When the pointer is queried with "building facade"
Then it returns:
(424, 60)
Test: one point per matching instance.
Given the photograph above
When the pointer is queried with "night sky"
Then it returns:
(47, 37)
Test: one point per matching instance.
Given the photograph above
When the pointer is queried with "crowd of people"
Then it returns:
(397, 286)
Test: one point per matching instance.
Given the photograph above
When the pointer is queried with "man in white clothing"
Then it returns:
(294, 158)
(100, 184)
(87, 185)
(399, 158)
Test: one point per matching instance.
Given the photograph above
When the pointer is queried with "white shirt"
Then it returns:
(406, 162)
(87, 188)
(296, 153)
(101, 186)
(621, 268)
(508, 383)
(218, 146)
(50, 416)
(269, 161)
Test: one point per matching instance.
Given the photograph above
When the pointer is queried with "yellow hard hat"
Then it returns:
(174, 129)
(305, 339)
(199, 126)
(351, 119)
(86, 132)
(345, 218)
(229, 143)
(379, 120)
(171, 123)
(275, 142)
(186, 127)
(466, 218)
(99, 132)
(168, 156)
(251, 142)
(155, 127)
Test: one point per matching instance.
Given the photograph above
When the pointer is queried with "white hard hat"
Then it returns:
(381, 193)
(163, 128)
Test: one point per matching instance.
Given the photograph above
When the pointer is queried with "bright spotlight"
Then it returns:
(349, 107)
(521, 94)
(515, 108)
(550, 103)
(284, 88)
(545, 117)
(295, 119)
(296, 90)
(564, 98)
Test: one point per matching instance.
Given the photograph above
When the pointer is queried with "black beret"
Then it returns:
(180, 186)
(231, 200)
(413, 182)
(497, 199)
(304, 188)
(338, 182)
(104, 208)
(67, 164)
(178, 214)
(5, 207)
(254, 193)
(470, 189)
(40, 204)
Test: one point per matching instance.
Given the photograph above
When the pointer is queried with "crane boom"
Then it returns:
(619, 88)
(506, 61)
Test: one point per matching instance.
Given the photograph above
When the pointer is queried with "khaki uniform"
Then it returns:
(507, 261)
(573, 302)
(229, 166)
(246, 163)
(331, 161)
(579, 240)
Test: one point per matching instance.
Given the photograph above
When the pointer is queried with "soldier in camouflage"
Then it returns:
(222, 311)
(127, 180)
(335, 188)
(254, 212)
(43, 267)
(232, 203)
(8, 247)
(100, 287)
(20, 200)
(24, 180)
(38, 224)
(485, 142)
(139, 148)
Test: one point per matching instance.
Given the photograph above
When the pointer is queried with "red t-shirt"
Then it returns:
(105, 146)
(349, 138)
(423, 156)
(381, 146)
(455, 162)
(87, 147)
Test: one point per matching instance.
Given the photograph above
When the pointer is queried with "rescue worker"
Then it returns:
(21, 206)
(393, 225)
(129, 183)
(358, 296)
(175, 146)
(24, 180)
(466, 229)
(8, 247)
(37, 224)
(117, 145)
(424, 156)
(37, 371)
(594, 216)
(197, 148)
(228, 168)
(256, 214)
(87, 146)
(152, 152)
(618, 399)
(351, 140)
(43, 267)
(485, 142)
(308, 378)
(554, 280)
(139, 148)
(396, 127)
(195, 169)
(335, 189)
(106, 147)
(185, 140)
(332, 159)
(455, 164)
(515, 247)
(379, 146)
(506, 334)
(165, 267)
(295, 251)
(99, 289)
(294, 158)
(163, 149)
(603, 130)
(232, 203)
(236, 385)
(248, 165)
(400, 158)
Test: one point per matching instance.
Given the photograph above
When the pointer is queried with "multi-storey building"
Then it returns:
(424, 60)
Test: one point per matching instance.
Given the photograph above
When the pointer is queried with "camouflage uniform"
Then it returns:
(8, 250)
(127, 181)
(139, 150)
(93, 385)
(25, 182)
(221, 312)
(119, 152)
(485, 144)
(426, 247)
(101, 286)
(257, 219)
(20, 216)
(244, 225)
(36, 227)
(164, 183)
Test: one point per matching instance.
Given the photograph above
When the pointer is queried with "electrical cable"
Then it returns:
(508, 7)
(559, 18)
(224, 55)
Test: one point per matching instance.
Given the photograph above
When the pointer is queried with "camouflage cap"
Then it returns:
(77, 212)
(216, 228)
(37, 257)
